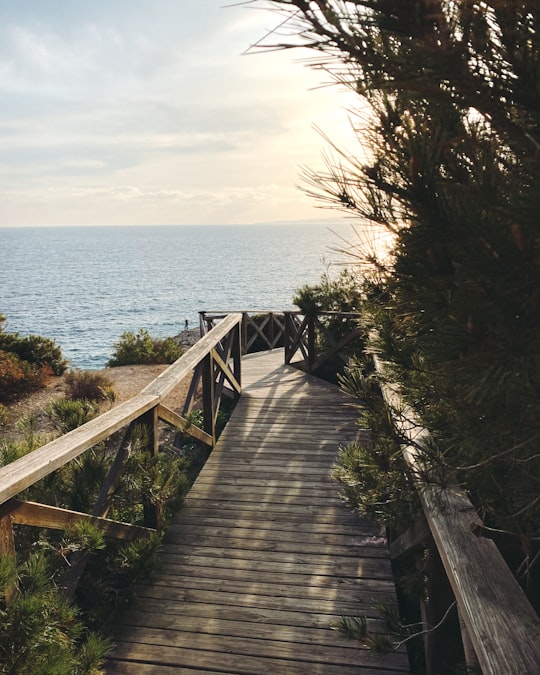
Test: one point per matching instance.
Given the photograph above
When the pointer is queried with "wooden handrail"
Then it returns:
(30, 468)
(27, 470)
(216, 355)
(500, 623)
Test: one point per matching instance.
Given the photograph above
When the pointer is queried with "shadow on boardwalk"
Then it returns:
(264, 556)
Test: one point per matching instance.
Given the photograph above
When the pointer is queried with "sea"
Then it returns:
(85, 286)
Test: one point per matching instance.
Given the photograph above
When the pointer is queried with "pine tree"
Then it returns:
(449, 116)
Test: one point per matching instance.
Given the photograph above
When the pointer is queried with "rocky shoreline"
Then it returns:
(187, 338)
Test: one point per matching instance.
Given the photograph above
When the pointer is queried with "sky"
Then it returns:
(128, 112)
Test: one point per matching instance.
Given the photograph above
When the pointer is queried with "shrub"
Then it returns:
(65, 414)
(4, 415)
(18, 377)
(41, 633)
(34, 349)
(142, 348)
(92, 386)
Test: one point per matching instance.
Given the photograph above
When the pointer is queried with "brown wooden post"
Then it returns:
(152, 512)
(439, 649)
(237, 359)
(311, 343)
(209, 388)
(287, 336)
(7, 547)
(244, 332)
(271, 315)
(470, 655)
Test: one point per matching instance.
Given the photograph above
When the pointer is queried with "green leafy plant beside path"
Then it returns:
(142, 348)
(26, 363)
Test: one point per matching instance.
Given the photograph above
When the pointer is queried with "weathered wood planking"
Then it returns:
(265, 556)
(502, 626)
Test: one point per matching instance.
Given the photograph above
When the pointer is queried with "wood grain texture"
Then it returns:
(265, 556)
(501, 624)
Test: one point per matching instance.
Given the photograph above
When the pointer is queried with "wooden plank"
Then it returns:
(164, 643)
(354, 606)
(191, 611)
(226, 371)
(183, 424)
(299, 564)
(52, 517)
(319, 635)
(416, 536)
(349, 525)
(221, 659)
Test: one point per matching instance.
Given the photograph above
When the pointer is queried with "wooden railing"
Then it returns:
(319, 339)
(499, 628)
(322, 338)
(260, 329)
(213, 364)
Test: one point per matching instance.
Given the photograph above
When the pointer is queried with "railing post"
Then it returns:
(209, 386)
(286, 336)
(311, 343)
(244, 333)
(149, 422)
(237, 359)
(271, 329)
(7, 548)
(439, 649)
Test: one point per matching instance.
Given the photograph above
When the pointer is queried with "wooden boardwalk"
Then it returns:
(264, 556)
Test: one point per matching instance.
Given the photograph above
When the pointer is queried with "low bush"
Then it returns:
(19, 377)
(26, 363)
(92, 386)
(39, 351)
(142, 349)
(66, 414)
(41, 632)
(4, 416)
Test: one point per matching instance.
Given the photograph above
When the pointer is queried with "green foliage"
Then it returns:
(341, 294)
(353, 627)
(18, 377)
(36, 350)
(89, 385)
(449, 111)
(319, 302)
(41, 633)
(4, 415)
(153, 481)
(26, 363)
(66, 414)
(142, 348)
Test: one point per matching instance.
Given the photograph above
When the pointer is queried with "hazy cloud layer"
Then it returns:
(147, 112)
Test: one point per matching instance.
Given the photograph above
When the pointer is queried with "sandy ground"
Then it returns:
(126, 382)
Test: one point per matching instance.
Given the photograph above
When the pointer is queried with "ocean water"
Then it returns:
(85, 286)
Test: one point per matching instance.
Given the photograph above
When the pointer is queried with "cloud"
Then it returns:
(155, 96)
